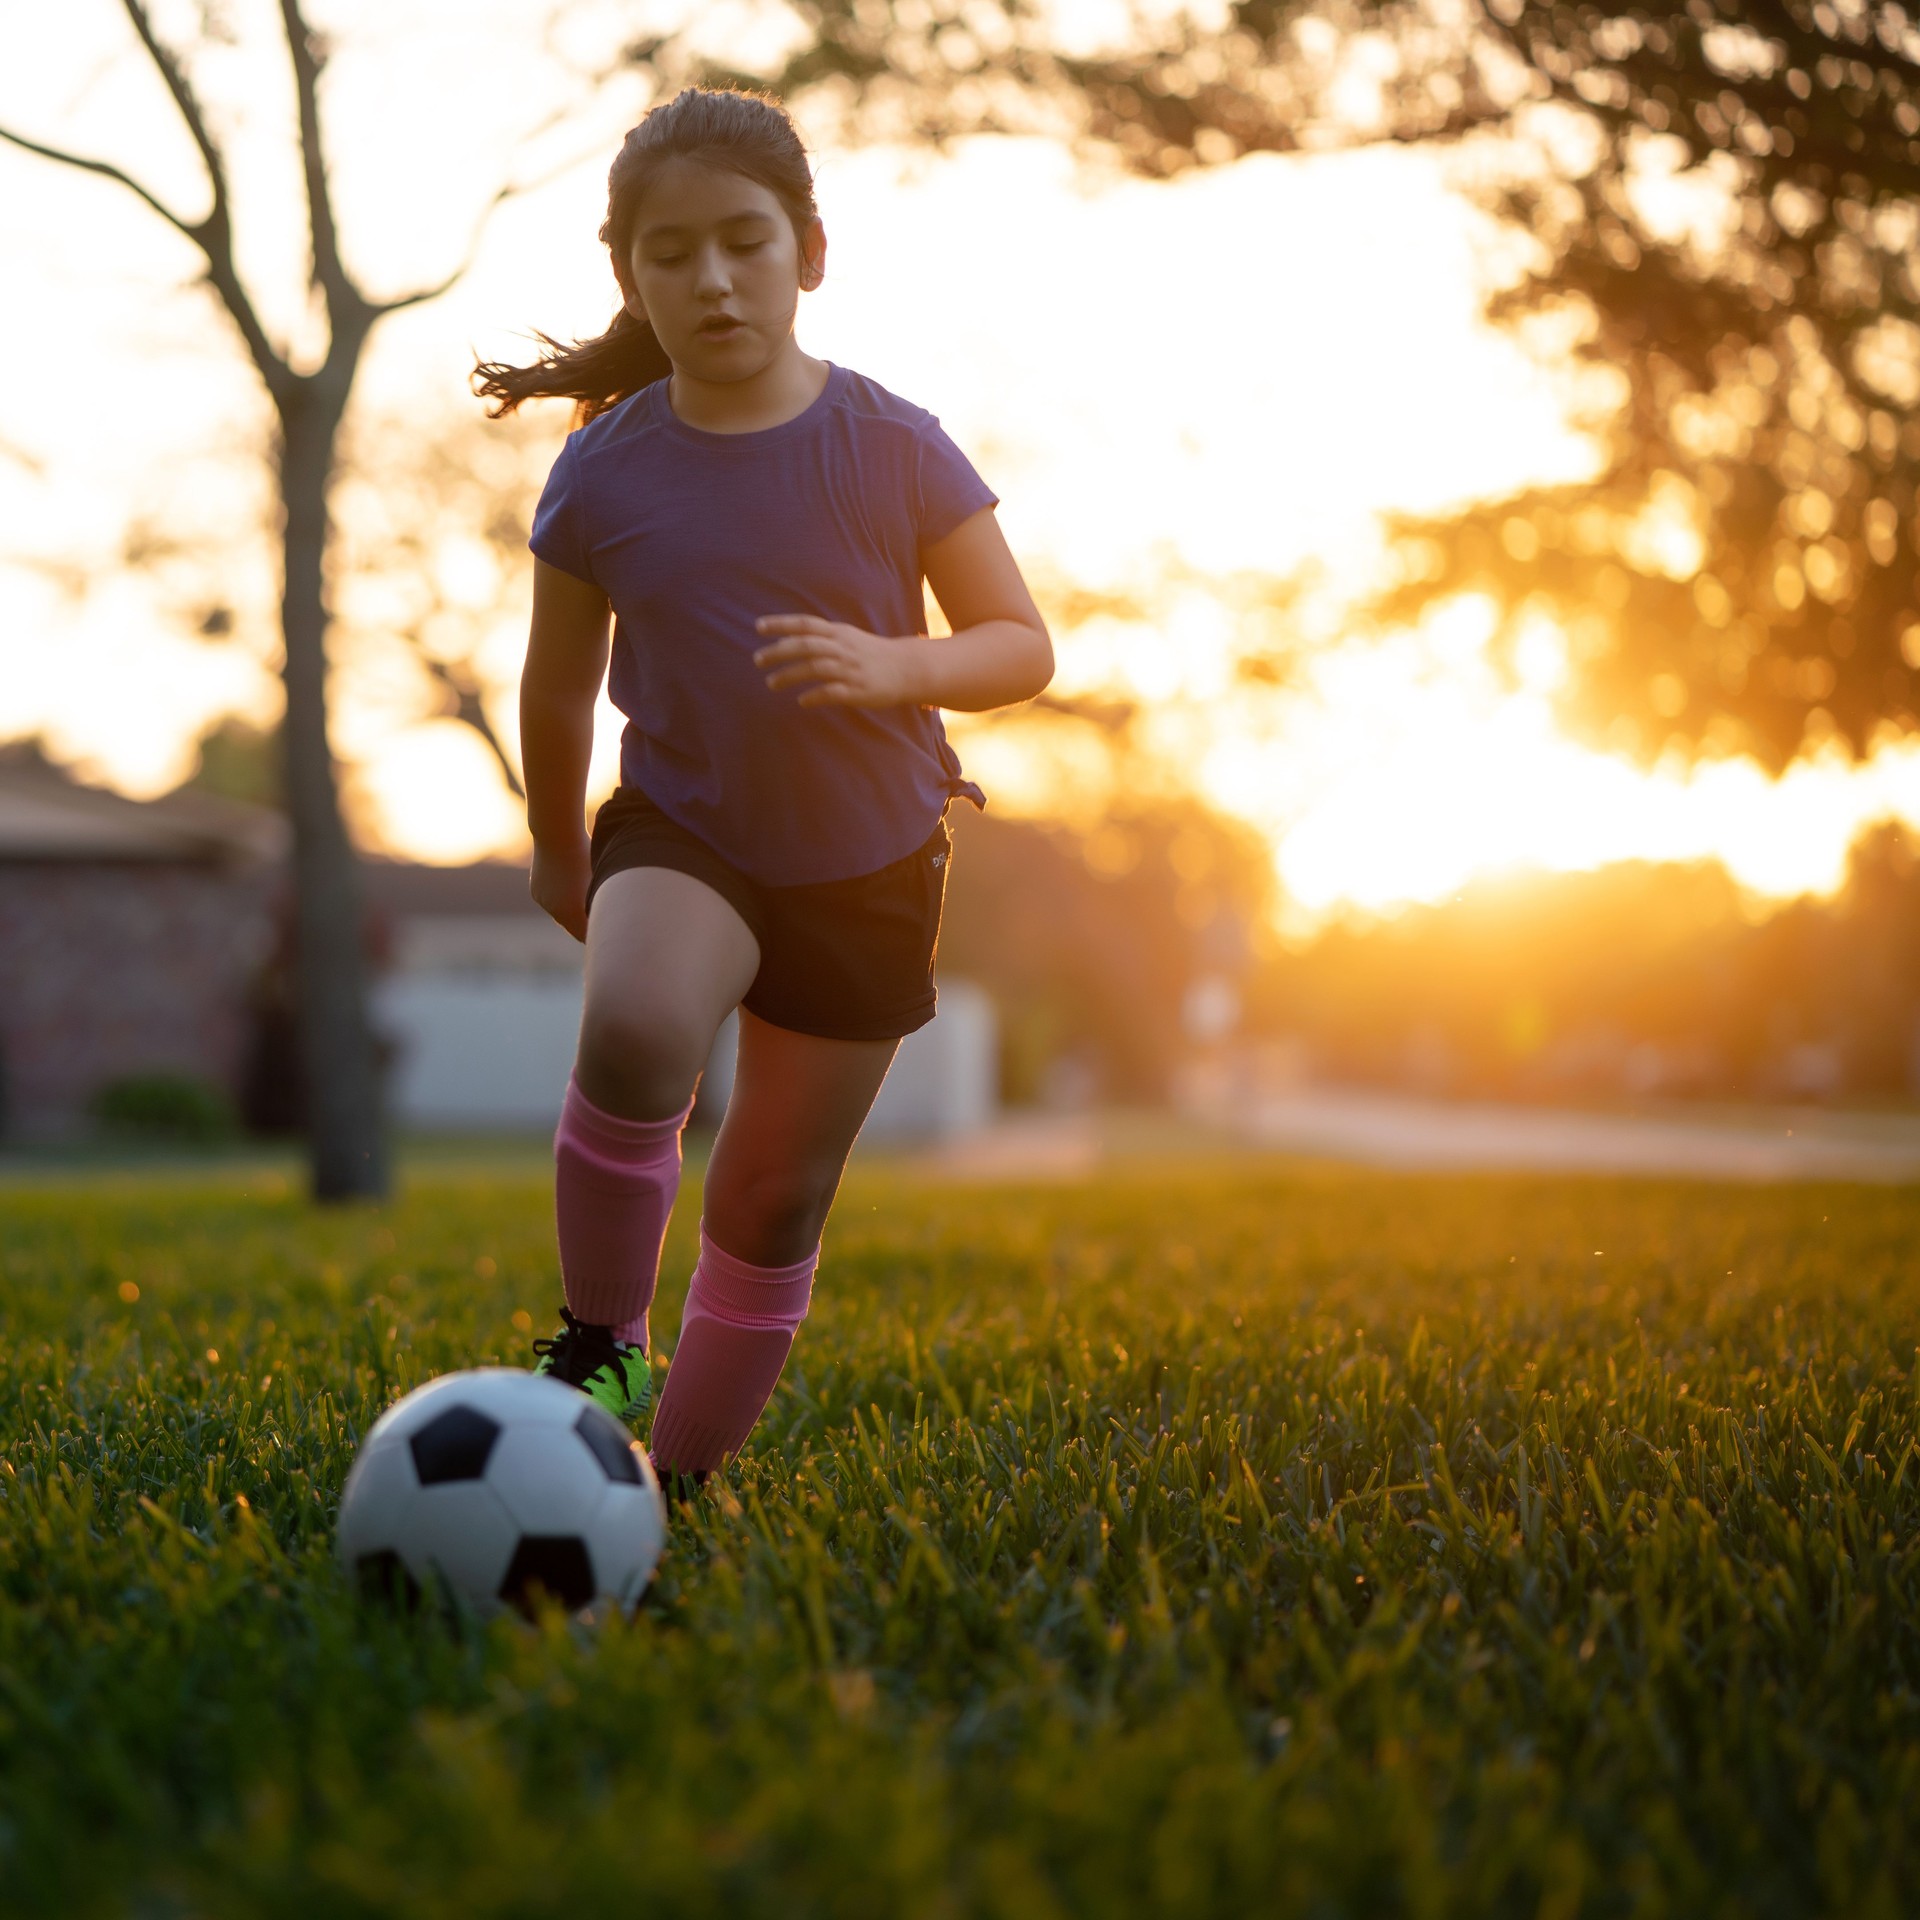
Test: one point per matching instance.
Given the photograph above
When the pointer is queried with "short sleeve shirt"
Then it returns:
(692, 536)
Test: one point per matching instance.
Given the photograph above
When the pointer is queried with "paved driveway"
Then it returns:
(1761, 1144)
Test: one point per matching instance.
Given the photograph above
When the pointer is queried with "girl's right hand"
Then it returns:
(558, 883)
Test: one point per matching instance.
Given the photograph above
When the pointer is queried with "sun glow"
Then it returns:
(1469, 791)
(1400, 769)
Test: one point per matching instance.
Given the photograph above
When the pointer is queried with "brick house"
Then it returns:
(131, 937)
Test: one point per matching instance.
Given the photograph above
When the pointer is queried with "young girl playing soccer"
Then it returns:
(758, 524)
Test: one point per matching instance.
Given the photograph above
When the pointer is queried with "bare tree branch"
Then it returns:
(107, 171)
(184, 98)
(461, 700)
(213, 235)
(345, 302)
(421, 295)
(511, 190)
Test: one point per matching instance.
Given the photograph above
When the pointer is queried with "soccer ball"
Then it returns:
(502, 1485)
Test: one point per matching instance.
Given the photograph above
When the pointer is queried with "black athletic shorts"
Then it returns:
(841, 959)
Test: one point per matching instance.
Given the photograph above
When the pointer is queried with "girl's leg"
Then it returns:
(667, 960)
(797, 1104)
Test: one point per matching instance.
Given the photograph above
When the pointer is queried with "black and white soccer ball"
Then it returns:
(501, 1485)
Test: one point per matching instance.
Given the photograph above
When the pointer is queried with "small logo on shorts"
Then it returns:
(939, 860)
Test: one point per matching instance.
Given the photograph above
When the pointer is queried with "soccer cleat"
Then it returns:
(617, 1377)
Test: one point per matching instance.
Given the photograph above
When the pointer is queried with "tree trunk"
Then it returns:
(346, 1135)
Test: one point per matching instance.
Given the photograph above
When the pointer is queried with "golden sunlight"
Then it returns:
(1419, 787)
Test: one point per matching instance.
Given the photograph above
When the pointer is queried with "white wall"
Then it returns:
(944, 1081)
(487, 1052)
(492, 1052)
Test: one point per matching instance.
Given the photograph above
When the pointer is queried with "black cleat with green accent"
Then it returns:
(615, 1376)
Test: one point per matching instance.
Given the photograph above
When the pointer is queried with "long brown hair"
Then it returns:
(744, 133)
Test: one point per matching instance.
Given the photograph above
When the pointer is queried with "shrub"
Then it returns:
(166, 1106)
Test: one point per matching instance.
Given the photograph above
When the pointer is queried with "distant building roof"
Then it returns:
(48, 815)
(481, 913)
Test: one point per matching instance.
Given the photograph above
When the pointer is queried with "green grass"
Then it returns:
(1199, 1540)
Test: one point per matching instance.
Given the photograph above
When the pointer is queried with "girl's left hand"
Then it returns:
(839, 665)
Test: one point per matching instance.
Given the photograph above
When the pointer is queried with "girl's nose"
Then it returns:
(713, 277)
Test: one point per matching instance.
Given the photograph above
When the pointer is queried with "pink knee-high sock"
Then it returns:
(613, 1187)
(735, 1334)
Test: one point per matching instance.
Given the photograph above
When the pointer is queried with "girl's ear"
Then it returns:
(813, 255)
(629, 293)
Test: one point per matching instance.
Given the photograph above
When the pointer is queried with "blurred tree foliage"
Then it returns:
(1771, 353)
(437, 578)
(1635, 980)
(937, 70)
(1743, 569)
(1091, 942)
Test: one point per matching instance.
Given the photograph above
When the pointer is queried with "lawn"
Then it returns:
(1200, 1539)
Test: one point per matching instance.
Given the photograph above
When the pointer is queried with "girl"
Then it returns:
(758, 524)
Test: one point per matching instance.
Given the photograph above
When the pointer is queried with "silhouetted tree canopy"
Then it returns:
(1772, 365)
(1175, 92)
(1770, 348)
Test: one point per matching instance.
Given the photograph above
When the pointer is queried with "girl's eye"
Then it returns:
(668, 259)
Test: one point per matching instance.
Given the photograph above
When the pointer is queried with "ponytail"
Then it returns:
(744, 133)
(597, 373)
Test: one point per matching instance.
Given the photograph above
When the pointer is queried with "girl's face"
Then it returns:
(717, 269)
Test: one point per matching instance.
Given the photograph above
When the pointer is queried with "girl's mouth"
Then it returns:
(721, 327)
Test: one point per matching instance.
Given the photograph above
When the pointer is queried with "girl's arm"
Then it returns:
(997, 653)
(566, 662)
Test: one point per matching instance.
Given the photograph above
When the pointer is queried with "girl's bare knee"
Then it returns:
(638, 1063)
(773, 1218)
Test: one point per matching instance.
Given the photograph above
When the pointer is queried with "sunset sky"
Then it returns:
(1184, 392)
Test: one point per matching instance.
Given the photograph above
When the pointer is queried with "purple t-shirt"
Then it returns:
(692, 536)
